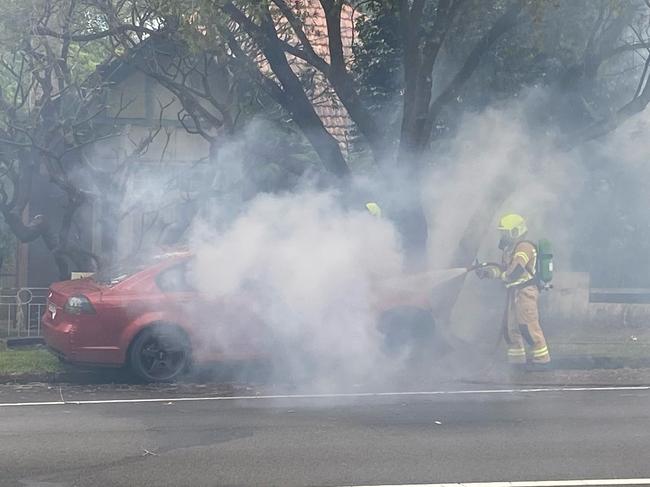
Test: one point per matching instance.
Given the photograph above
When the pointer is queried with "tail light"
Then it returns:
(79, 305)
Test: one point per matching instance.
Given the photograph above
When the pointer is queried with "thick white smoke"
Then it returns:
(499, 163)
(495, 161)
(312, 267)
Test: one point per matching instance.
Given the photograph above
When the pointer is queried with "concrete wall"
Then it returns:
(568, 305)
(565, 311)
(568, 302)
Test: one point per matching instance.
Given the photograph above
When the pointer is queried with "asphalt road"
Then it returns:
(329, 441)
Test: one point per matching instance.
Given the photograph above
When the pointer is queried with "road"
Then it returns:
(399, 439)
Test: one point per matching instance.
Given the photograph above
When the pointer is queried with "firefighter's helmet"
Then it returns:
(373, 208)
(513, 225)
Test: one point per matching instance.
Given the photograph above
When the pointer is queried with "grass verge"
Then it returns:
(32, 360)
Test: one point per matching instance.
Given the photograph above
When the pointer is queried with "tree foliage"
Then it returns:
(414, 67)
(51, 108)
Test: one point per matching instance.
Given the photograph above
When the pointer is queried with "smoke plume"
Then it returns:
(311, 267)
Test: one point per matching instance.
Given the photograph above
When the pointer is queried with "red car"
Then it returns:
(146, 316)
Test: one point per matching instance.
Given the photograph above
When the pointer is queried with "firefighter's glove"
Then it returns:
(488, 271)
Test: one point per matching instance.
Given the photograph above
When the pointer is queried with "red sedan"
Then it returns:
(146, 316)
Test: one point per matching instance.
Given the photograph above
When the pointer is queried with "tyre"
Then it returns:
(160, 353)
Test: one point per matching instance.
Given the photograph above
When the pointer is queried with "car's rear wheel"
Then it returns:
(160, 353)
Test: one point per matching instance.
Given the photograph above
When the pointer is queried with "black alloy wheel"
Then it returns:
(160, 353)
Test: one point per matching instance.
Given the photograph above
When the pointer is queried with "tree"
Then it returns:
(51, 109)
(580, 51)
(274, 44)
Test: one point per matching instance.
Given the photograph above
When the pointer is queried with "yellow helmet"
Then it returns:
(514, 225)
(373, 208)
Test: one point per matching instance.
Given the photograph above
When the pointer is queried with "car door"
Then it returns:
(221, 328)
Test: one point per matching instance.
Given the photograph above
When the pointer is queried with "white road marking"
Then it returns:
(333, 396)
(536, 483)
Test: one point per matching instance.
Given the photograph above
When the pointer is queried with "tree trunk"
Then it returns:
(420, 112)
(304, 115)
(344, 85)
(411, 223)
(294, 98)
(109, 221)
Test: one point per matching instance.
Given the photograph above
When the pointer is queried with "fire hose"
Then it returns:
(503, 330)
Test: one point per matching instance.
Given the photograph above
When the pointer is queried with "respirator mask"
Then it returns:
(508, 237)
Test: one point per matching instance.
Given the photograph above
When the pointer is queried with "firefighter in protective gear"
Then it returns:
(518, 272)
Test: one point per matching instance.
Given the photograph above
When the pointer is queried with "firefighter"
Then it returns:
(518, 271)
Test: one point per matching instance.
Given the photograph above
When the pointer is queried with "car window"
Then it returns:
(175, 279)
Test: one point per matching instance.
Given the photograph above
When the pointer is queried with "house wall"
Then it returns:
(154, 190)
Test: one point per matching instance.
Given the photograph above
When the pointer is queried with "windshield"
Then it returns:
(112, 275)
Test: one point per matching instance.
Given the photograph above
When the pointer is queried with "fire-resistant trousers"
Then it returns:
(524, 328)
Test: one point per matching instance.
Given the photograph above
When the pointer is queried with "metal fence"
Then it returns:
(21, 311)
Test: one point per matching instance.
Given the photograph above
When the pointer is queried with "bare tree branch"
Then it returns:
(506, 22)
(43, 30)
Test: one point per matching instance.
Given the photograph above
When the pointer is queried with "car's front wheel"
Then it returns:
(160, 353)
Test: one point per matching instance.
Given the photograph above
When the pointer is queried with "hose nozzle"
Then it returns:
(475, 265)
